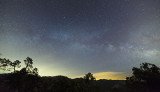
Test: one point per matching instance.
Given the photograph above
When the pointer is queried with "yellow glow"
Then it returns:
(109, 75)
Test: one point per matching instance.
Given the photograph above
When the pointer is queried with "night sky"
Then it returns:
(74, 37)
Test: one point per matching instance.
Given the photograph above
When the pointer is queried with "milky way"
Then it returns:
(73, 37)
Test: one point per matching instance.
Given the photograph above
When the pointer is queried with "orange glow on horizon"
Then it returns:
(109, 75)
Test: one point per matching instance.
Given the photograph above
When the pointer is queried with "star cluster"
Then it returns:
(71, 37)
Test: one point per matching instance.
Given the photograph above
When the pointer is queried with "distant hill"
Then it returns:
(55, 84)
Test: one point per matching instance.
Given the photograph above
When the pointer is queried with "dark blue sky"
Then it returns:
(73, 37)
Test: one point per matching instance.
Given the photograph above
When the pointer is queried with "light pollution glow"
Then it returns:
(72, 38)
(108, 75)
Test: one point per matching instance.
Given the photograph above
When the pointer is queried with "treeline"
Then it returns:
(7, 65)
(146, 78)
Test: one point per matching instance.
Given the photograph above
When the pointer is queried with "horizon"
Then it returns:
(71, 38)
(98, 76)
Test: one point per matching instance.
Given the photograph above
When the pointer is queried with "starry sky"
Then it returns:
(74, 37)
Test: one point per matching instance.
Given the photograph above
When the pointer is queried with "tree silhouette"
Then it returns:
(89, 77)
(6, 64)
(28, 62)
(29, 66)
(147, 76)
(16, 64)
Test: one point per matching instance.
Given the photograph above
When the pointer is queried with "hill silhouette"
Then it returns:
(146, 78)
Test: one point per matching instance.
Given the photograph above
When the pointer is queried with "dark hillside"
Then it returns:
(56, 84)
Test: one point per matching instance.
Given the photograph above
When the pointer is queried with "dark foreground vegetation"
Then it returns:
(146, 78)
